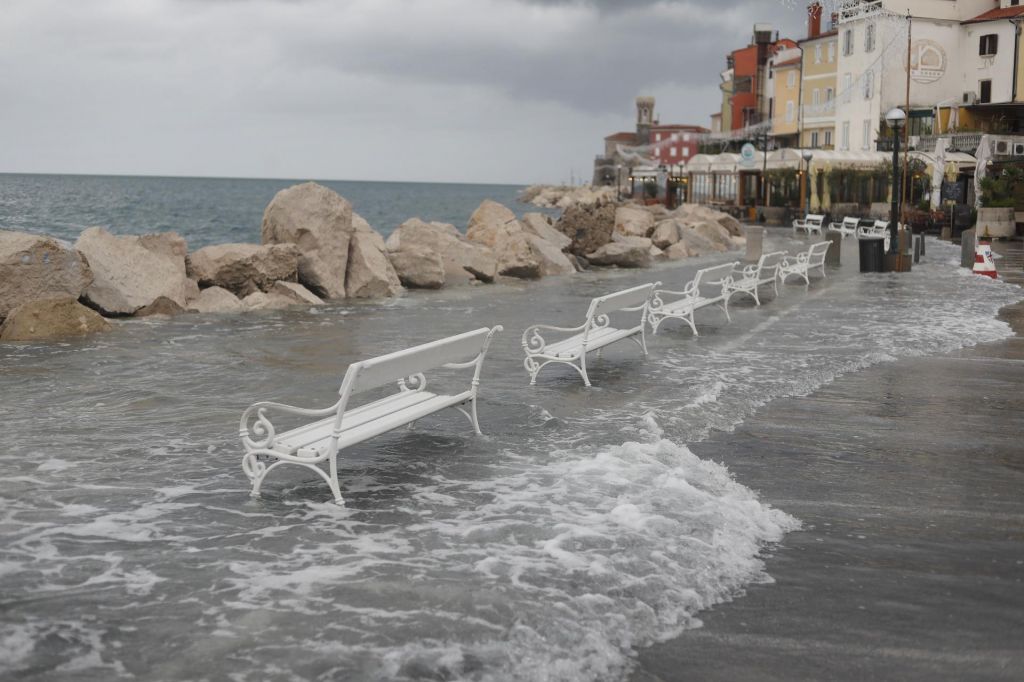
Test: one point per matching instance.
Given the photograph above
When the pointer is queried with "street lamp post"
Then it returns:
(807, 155)
(618, 182)
(896, 118)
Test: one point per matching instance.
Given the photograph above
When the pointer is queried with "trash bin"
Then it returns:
(872, 254)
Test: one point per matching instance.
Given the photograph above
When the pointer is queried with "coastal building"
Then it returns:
(992, 71)
(818, 82)
(746, 90)
(784, 103)
(672, 144)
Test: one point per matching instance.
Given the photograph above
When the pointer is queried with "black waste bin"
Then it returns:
(872, 254)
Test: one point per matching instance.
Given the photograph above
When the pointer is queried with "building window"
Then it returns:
(814, 139)
(847, 87)
(988, 45)
(848, 42)
(866, 141)
(869, 38)
(657, 137)
(869, 84)
(828, 138)
(816, 97)
(675, 136)
(686, 137)
(831, 51)
(790, 111)
(686, 151)
(672, 151)
(817, 54)
(844, 141)
(984, 92)
(830, 94)
(791, 78)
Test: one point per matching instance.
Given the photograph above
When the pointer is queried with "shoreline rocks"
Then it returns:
(314, 246)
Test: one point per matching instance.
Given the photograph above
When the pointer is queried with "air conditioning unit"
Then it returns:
(1018, 148)
(970, 98)
(1001, 148)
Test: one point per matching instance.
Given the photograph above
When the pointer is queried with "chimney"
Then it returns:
(814, 20)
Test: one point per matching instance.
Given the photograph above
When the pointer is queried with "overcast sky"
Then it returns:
(512, 91)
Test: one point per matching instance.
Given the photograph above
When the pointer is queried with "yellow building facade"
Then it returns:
(786, 74)
(818, 90)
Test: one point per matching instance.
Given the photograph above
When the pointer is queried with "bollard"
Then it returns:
(922, 244)
(967, 244)
(755, 243)
(918, 240)
(833, 253)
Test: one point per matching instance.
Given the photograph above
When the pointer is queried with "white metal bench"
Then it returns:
(748, 279)
(812, 222)
(341, 425)
(879, 229)
(593, 335)
(804, 262)
(704, 290)
(847, 228)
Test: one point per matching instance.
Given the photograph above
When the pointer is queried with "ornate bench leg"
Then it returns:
(583, 370)
(332, 481)
(689, 321)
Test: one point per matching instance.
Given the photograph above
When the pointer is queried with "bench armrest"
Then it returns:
(260, 433)
(533, 341)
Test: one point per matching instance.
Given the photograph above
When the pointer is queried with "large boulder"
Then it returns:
(677, 251)
(716, 234)
(318, 222)
(589, 227)
(538, 224)
(633, 252)
(35, 267)
(667, 233)
(550, 259)
(161, 307)
(497, 228)
(243, 269)
(634, 221)
(418, 267)
(51, 318)
(698, 242)
(131, 272)
(261, 300)
(370, 273)
(463, 260)
(299, 294)
(215, 300)
(732, 226)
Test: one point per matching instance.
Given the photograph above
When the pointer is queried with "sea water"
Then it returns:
(217, 210)
(579, 528)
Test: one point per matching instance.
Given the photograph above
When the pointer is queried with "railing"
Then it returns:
(956, 142)
(852, 10)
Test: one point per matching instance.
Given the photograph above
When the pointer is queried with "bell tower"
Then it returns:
(644, 119)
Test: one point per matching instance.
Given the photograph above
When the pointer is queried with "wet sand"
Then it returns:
(909, 478)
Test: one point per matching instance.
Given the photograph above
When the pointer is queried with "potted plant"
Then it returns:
(998, 203)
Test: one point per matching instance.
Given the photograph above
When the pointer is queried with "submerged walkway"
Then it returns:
(909, 478)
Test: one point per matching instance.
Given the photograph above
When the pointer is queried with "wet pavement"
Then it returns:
(909, 478)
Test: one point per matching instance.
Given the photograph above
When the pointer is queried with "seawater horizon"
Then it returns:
(216, 210)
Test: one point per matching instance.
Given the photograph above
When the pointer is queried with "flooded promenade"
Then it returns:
(587, 526)
(909, 478)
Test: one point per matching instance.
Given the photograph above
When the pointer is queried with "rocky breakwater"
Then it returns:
(314, 248)
(564, 196)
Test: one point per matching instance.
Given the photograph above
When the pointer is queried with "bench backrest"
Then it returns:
(390, 368)
(627, 298)
(849, 222)
(711, 277)
(768, 264)
(816, 254)
(881, 224)
(814, 218)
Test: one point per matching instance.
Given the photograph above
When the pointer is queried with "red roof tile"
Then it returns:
(621, 136)
(998, 13)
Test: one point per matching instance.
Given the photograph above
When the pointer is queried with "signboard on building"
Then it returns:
(927, 61)
(952, 191)
(748, 154)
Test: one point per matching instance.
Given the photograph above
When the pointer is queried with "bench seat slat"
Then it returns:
(372, 420)
(599, 338)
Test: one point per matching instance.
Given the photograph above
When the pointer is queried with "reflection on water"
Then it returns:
(579, 528)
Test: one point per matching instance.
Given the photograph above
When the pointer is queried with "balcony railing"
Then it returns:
(957, 142)
(852, 10)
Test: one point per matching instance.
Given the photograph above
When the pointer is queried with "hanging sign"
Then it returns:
(748, 155)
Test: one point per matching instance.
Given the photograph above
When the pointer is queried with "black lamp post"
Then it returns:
(896, 118)
(807, 156)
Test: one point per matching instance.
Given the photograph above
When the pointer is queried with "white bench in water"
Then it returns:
(847, 228)
(748, 279)
(342, 425)
(812, 222)
(593, 335)
(804, 262)
(706, 289)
